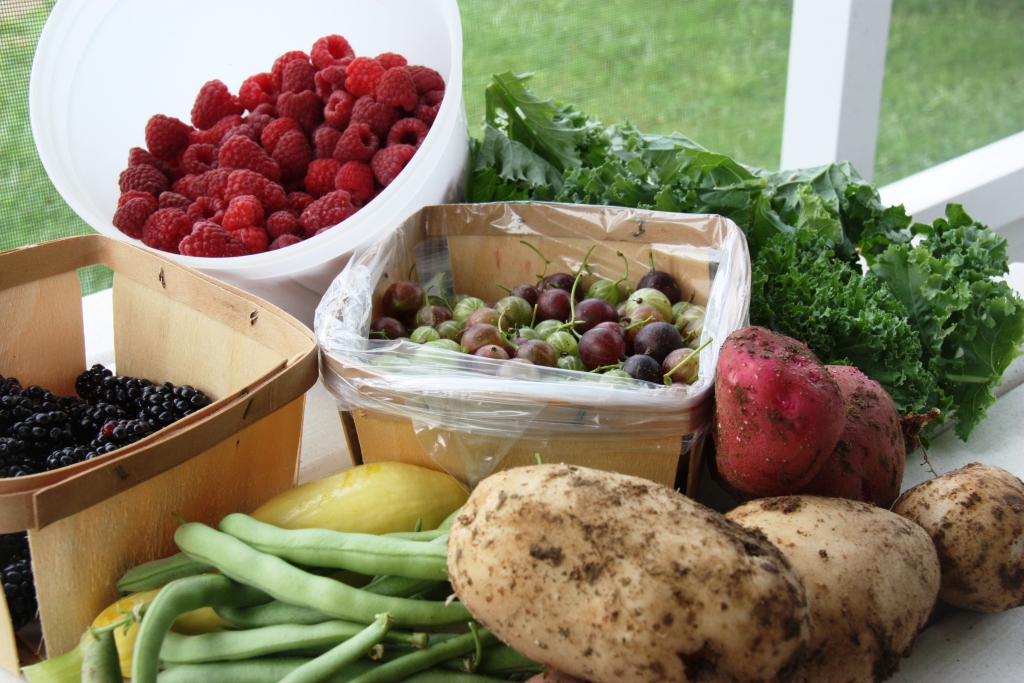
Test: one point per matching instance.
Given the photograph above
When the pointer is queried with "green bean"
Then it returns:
(362, 553)
(272, 670)
(233, 645)
(175, 599)
(318, 669)
(422, 536)
(287, 583)
(100, 663)
(273, 613)
(399, 669)
(159, 573)
(501, 661)
(398, 586)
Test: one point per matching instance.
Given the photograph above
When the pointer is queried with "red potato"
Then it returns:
(867, 463)
(778, 414)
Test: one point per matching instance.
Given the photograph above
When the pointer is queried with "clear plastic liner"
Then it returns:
(469, 411)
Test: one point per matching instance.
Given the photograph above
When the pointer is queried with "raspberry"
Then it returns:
(430, 103)
(389, 60)
(297, 76)
(245, 130)
(327, 211)
(277, 70)
(266, 109)
(293, 154)
(207, 209)
(325, 139)
(362, 76)
(357, 178)
(165, 228)
(241, 152)
(320, 176)
(166, 136)
(274, 132)
(138, 156)
(298, 201)
(259, 123)
(214, 183)
(173, 200)
(133, 208)
(426, 79)
(254, 238)
(338, 110)
(257, 90)
(397, 89)
(241, 182)
(188, 186)
(284, 241)
(305, 107)
(283, 223)
(209, 239)
(357, 143)
(199, 158)
(328, 80)
(408, 131)
(329, 49)
(389, 162)
(144, 178)
(213, 103)
(214, 134)
(380, 117)
(243, 212)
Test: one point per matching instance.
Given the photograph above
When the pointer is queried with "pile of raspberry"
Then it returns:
(297, 151)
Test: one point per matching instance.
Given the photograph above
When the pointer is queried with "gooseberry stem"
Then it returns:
(606, 368)
(411, 268)
(547, 261)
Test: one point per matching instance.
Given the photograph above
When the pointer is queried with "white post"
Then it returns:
(834, 86)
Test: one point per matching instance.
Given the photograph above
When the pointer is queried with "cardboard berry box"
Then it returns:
(456, 418)
(89, 522)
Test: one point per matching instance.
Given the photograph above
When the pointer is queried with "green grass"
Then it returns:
(713, 70)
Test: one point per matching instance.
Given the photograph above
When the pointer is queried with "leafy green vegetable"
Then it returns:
(926, 320)
(801, 290)
(971, 326)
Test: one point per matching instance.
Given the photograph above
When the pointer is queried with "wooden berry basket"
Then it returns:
(89, 522)
(484, 249)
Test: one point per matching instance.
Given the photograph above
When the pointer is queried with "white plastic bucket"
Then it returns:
(104, 67)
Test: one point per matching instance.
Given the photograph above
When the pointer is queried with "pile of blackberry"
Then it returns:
(16, 574)
(40, 431)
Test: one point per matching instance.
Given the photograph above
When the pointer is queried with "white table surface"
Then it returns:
(960, 646)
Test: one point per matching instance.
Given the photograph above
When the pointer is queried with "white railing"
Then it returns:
(833, 97)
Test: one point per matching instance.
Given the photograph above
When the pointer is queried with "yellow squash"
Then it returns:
(379, 498)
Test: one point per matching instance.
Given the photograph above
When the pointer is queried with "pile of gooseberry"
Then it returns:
(649, 334)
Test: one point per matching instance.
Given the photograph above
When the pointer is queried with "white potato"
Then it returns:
(975, 516)
(871, 579)
(616, 579)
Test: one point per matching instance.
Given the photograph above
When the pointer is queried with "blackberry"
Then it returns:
(20, 466)
(43, 432)
(9, 385)
(68, 456)
(119, 433)
(165, 403)
(12, 547)
(89, 382)
(86, 421)
(11, 447)
(20, 590)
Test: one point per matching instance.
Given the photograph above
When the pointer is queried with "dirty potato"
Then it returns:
(616, 579)
(871, 581)
(975, 516)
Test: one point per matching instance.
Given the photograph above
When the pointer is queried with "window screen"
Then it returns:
(954, 81)
(30, 209)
